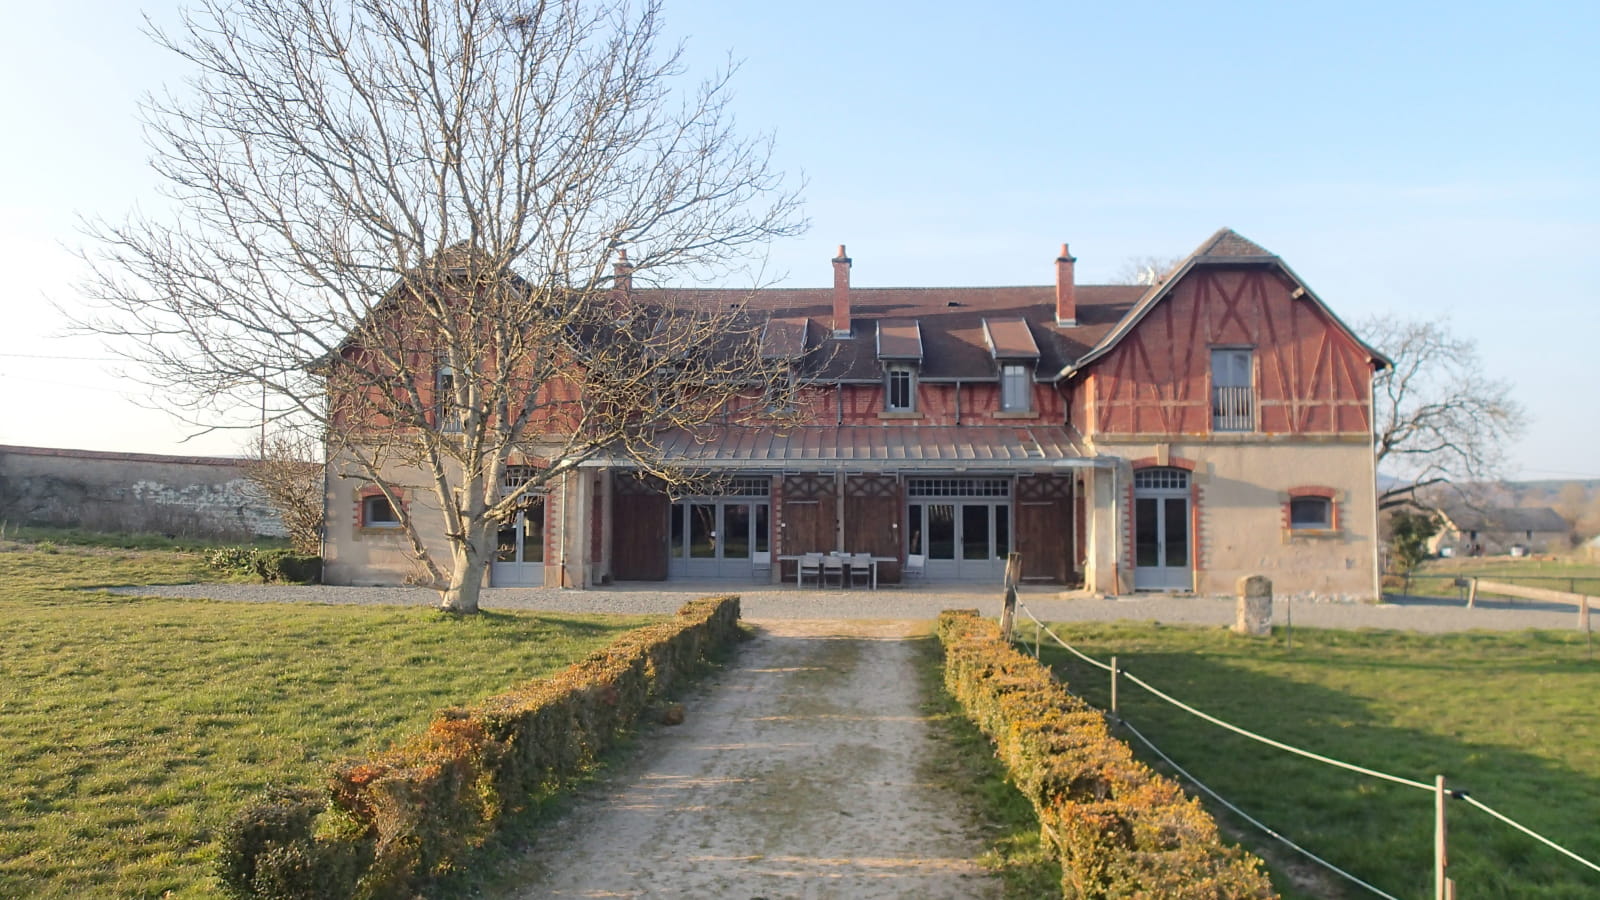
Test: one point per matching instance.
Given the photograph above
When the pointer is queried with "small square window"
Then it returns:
(377, 512)
(1310, 514)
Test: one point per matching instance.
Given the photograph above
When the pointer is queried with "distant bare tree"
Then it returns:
(1145, 270)
(287, 468)
(1439, 418)
(418, 211)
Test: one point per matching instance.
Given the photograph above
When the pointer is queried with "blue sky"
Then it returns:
(1430, 159)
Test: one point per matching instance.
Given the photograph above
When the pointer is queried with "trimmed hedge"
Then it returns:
(385, 823)
(1120, 829)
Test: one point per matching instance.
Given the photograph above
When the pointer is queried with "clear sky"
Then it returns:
(1436, 160)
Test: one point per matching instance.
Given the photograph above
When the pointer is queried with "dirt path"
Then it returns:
(795, 775)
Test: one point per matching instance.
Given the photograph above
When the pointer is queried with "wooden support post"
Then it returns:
(1008, 612)
(1472, 593)
(1038, 631)
(1289, 621)
(1441, 861)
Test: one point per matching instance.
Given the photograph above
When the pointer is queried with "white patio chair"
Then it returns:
(913, 567)
(761, 567)
(861, 570)
(810, 565)
(833, 569)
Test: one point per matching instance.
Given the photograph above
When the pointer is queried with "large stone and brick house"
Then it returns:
(1167, 437)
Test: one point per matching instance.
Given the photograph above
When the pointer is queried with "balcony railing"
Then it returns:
(1233, 409)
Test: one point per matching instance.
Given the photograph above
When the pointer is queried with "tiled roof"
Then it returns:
(1230, 244)
(950, 319)
(928, 448)
(1010, 339)
(899, 339)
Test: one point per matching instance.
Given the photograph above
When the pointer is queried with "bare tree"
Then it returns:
(286, 468)
(1439, 419)
(413, 225)
(1146, 270)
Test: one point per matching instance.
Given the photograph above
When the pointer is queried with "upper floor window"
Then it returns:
(447, 417)
(1233, 406)
(1016, 388)
(901, 389)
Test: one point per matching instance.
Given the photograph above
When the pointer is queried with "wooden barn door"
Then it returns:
(808, 514)
(1044, 528)
(639, 544)
(872, 520)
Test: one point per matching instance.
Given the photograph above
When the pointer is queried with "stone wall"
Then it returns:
(189, 496)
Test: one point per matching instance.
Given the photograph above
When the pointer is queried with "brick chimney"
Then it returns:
(841, 294)
(622, 273)
(1066, 290)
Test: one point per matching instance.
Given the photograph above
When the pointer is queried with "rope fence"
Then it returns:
(1445, 886)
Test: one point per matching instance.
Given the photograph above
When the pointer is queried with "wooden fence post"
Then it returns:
(1441, 860)
(1008, 612)
(1114, 672)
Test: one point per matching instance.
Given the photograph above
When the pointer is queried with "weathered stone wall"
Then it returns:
(191, 496)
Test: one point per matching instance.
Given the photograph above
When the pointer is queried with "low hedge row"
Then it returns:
(1120, 829)
(385, 823)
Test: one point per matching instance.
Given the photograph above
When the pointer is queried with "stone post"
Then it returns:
(1254, 612)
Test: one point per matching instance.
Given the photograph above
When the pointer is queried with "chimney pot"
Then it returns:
(1066, 289)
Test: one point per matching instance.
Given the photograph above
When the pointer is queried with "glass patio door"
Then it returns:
(1161, 540)
(965, 538)
(519, 550)
(717, 538)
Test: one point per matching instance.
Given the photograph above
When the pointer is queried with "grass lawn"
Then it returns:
(131, 729)
(1436, 577)
(1508, 717)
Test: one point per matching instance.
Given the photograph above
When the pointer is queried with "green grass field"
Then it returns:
(1509, 717)
(131, 729)
(1436, 577)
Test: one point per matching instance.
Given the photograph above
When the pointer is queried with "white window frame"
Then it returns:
(1016, 388)
(893, 372)
(1233, 404)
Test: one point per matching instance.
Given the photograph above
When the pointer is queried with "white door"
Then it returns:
(519, 550)
(965, 538)
(714, 538)
(1162, 557)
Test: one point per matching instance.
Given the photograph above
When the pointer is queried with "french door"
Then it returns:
(1162, 544)
(962, 526)
(716, 537)
(519, 550)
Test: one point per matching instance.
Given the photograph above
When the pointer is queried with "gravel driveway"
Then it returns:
(794, 775)
(1404, 613)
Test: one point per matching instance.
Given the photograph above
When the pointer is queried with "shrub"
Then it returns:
(416, 810)
(239, 560)
(1119, 829)
(271, 566)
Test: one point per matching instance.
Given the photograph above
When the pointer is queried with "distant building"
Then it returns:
(1499, 531)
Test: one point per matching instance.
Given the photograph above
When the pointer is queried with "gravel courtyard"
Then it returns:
(899, 604)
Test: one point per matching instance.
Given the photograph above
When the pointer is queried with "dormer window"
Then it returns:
(447, 417)
(1016, 388)
(900, 388)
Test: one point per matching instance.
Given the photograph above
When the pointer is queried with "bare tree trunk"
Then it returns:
(469, 559)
